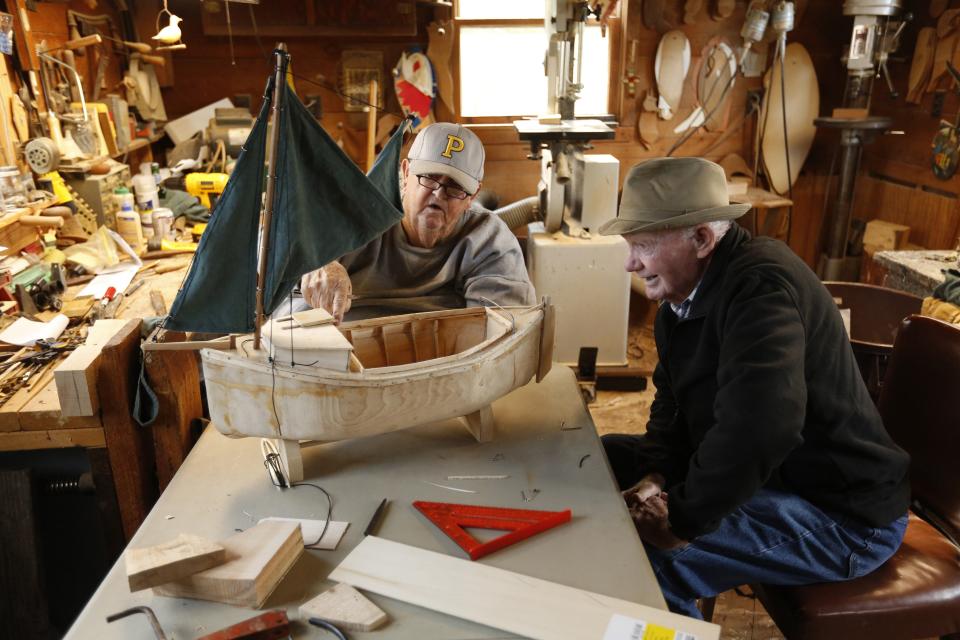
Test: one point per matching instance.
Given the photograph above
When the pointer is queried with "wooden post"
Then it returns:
(372, 125)
(175, 378)
(128, 444)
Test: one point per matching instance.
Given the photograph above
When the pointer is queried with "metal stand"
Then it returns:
(834, 262)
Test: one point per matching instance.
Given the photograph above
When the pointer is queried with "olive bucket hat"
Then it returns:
(672, 193)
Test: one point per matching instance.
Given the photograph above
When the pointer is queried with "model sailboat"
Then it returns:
(317, 205)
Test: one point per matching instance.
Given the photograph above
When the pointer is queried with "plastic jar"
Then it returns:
(163, 223)
(129, 228)
(124, 198)
(146, 189)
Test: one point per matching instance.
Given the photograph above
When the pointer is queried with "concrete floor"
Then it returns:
(740, 618)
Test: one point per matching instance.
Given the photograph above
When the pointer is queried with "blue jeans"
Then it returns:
(774, 538)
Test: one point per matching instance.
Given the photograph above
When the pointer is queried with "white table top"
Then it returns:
(545, 441)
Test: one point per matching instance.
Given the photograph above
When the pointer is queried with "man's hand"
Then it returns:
(653, 524)
(651, 485)
(329, 288)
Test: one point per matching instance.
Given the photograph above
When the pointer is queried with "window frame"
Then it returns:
(614, 33)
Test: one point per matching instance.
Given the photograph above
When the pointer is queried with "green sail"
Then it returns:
(219, 294)
(324, 207)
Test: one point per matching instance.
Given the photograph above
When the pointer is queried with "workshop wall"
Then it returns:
(899, 184)
(205, 72)
(208, 70)
(513, 177)
(896, 182)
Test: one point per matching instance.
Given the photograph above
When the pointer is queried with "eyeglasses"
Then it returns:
(451, 190)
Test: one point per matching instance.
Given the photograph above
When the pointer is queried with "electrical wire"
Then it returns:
(692, 130)
(272, 462)
(752, 108)
(786, 146)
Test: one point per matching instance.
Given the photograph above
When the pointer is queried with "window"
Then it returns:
(502, 44)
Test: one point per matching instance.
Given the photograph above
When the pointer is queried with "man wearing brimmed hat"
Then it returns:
(764, 460)
(445, 253)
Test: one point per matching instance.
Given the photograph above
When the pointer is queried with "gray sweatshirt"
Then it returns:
(480, 264)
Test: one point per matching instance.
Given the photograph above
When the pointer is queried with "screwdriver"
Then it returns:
(108, 296)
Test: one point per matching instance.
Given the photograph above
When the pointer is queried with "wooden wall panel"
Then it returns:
(933, 219)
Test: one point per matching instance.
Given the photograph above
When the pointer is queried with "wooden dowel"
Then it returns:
(372, 125)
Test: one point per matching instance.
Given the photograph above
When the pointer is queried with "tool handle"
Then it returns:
(83, 42)
(41, 221)
(160, 61)
(142, 47)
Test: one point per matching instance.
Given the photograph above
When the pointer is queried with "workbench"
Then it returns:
(916, 272)
(129, 469)
(545, 443)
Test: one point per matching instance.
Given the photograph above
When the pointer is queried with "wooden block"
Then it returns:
(345, 607)
(76, 382)
(183, 556)
(257, 559)
(77, 308)
(737, 187)
(885, 236)
(76, 376)
(505, 600)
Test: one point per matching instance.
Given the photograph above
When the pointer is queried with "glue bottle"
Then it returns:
(128, 220)
(147, 200)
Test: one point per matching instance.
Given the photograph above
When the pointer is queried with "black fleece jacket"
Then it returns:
(758, 387)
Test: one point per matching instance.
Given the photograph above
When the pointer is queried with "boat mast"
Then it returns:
(280, 54)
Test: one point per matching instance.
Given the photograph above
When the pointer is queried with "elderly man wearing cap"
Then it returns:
(764, 459)
(445, 253)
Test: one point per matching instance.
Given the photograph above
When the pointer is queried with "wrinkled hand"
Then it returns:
(651, 485)
(329, 288)
(651, 518)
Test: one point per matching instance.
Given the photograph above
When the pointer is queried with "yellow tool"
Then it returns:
(201, 185)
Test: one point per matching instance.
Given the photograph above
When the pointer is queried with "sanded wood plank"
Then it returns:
(53, 439)
(487, 595)
(183, 556)
(345, 607)
(257, 559)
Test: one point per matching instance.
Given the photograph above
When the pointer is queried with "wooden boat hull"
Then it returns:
(249, 396)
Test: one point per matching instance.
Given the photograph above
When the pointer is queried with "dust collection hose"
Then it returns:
(520, 212)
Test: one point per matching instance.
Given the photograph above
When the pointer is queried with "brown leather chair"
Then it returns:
(875, 317)
(915, 594)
